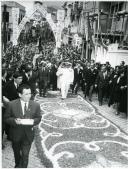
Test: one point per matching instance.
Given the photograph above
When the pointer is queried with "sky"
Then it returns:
(29, 4)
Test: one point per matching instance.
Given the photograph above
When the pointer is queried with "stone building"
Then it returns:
(106, 18)
(7, 20)
(91, 20)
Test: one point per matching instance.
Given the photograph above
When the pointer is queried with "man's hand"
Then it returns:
(18, 121)
(5, 99)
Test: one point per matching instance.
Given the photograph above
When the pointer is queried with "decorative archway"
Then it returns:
(55, 27)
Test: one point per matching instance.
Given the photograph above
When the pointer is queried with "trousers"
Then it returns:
(21, 151)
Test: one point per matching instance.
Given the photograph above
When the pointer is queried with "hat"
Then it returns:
(43, 62)
(66, 64)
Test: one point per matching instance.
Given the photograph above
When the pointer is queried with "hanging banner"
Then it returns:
(22, 23)
(60, 15)
(113, 25)
(15, 17)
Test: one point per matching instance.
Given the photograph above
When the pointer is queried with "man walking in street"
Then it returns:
(65, 74)
(102, 82)
(44, 79)
(22, 115)
(10, 93)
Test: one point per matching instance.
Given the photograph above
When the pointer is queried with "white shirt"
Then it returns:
(23, 104)
(118, 79)
(27, 75)
(16, 85)
(104, 74)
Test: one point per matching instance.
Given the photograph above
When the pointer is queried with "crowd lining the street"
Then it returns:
(19, 67)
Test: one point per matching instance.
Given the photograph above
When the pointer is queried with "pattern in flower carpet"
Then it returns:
(72, 134)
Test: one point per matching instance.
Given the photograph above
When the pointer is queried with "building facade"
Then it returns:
(7, 19)
(110, 19)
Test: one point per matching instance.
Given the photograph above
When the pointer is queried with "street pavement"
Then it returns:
(73, 133)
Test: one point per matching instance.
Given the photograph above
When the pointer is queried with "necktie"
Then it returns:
(25, 108)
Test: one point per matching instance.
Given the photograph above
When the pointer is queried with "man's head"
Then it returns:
(122, 63)
(88, 65)
(103, 68)
(17, 78)
(78, 65)
(28, 70)
(24, 93)
(121, 73)
(43, 64)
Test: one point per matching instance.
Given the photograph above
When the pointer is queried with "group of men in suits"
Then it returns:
(109, 83)
(18, 106)
(84, 78)
(22, 87)
(44, 79)
(11, 95)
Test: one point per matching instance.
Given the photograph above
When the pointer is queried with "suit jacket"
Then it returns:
(101, 81)
(11, 91)
(78, 75)
(53, 77)
(89, 77)
(13, 111)
(44, 75)
(25, 79)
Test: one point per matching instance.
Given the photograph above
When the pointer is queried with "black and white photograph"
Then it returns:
(64, 84)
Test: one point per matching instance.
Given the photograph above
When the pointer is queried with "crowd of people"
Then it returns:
(43, 70)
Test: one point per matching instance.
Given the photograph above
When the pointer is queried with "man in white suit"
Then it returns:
(65, 77)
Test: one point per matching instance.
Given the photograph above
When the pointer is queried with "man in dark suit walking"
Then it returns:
(26, 75)
(11, 87)
(22, 115)
(44, 79)
(102, 82)
(10, 93)
(78, 73)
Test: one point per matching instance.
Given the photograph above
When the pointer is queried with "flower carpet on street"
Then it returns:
(72, 134)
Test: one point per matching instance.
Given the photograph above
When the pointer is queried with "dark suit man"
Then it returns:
(11, 87)
(33, 82)
(102, 82)
(10, 93)
(22, 134)
(4, 75)
(30, 78)
(44, 79)
(89, 79)
(26, 75)
(78, 73)
(53, 77)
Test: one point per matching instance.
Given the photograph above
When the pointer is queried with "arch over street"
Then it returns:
(47, 16)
